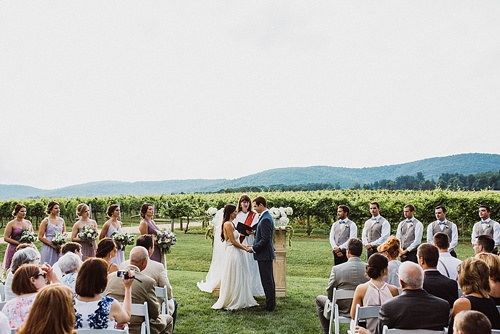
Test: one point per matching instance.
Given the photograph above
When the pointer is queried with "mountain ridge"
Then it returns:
(432, 168)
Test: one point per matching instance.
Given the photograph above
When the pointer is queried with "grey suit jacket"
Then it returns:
(346, 276)
(141, 292)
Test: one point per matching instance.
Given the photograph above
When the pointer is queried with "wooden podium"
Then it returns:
(279, 265)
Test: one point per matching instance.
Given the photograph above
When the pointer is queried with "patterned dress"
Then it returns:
(16, 235)
(93, 315)
(88, 249)
(120, 257)
(49, 254)
(17, 309)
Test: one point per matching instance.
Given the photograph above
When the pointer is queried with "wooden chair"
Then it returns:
(103, 331)
(363, 313)
(411, 331)
(161, 292)
(142, 311)
(334, 315)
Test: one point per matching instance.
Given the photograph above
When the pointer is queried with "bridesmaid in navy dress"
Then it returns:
(148, 226)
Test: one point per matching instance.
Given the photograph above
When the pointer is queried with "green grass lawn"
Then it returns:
(309, 261)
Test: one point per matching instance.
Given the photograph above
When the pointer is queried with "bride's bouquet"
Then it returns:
(58, 240)
(88, 233)
(122, 239)
(27, 237)
(165, 239)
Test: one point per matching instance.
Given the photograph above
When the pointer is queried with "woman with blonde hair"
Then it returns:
(48, 228)
(13, 232)
(493, 262)
(52, 312)
(106, 250)
(391, 249)
(473, 279)
(88, 248)
(111, 226)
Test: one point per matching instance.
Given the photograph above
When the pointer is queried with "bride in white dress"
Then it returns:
(235, 290)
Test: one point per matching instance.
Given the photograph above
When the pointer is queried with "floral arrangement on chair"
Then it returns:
(27, 237)
(87, 233)
(122, 239)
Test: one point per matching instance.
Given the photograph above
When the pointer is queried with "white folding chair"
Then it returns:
(495, 331)
(334, 316)
(411, 331)
(103, 331)
(142, 311)
(2, 292)
(161, 292)
(2, 304)
(363, 313)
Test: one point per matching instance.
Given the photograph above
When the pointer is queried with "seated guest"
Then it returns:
(91, 308)
(435, 283)
(473, 277)
(26, 255)
(414, 308)
(471, 322)
(52, 312)
(484, 244)
(346, 276)
(69, 265)
(391, 249)
(158, 272)
(73, 247)
(143, 291)
(376, 291)
(493, 263)
(447, 264)
(28, 279)
(106, 250)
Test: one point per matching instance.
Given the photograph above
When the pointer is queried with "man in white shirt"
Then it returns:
(486, 226)
(442, 225)
(342, 230)
(409, 233)
(447, 264)
(375, 231)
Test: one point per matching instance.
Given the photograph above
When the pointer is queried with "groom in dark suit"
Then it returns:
(263, 250)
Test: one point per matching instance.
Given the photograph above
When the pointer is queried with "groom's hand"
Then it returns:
(250, 249)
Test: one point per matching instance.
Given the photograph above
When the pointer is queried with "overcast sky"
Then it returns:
(160, 90)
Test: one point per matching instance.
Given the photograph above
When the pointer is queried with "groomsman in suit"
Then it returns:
(409, 232)
(434, 282)
(486, 226)
(442, 225)
(263, 250)
(376, 230)
(346, 276)
(341, 231)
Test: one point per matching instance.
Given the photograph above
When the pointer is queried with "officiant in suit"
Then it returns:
(263, 250)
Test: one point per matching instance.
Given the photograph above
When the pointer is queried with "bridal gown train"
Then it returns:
(235, 289)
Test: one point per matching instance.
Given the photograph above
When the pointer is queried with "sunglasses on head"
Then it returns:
(38, 275)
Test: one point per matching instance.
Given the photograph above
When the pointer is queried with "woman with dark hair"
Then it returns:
(474, 280)
(235, 290)
(13, 232)
(91, 308)
(148, 226)
(110, 226)
(48, 228)
(106, 250)
(250, 218)
(52, 312)
(88, 249)
(376, 291)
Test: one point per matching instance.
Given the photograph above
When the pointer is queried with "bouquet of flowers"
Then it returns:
(280, 216)
(59, 239)
(27, 237)
(122, 239)
(165, 239)
(88, 233)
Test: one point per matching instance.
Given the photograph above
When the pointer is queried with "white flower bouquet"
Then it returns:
(59, 239)
(165, 239)
(27, 237)
(122, 239)
(280, 216)
(88, 233)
